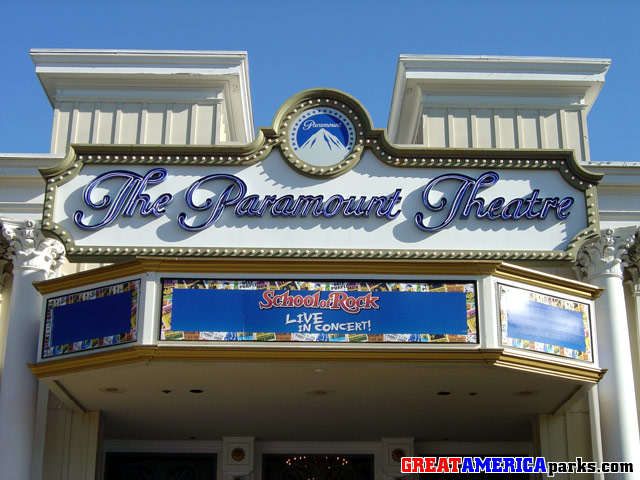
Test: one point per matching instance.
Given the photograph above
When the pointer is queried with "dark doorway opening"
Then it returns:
(160, 466)
(476, 476)
(317, 467)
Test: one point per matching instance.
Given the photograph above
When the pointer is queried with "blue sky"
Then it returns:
(351, 45)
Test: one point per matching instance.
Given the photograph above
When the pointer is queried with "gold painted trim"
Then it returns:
(275, 137)
(214, 266)
(515, 361)
(275, 266)
(172, 353)
(540, 279)
(90, 277)
(91, 253)
(110, 358)
(322, 98)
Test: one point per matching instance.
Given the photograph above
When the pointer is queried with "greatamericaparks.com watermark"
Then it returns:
(508, 465)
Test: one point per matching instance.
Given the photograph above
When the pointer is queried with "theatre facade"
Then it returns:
(183, 297)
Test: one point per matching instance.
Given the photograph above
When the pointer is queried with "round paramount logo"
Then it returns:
(322, 136)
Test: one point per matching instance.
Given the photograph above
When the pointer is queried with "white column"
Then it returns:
(4, 274)
(4, 263)
(601, 263)
(634, 284)
(34, 258)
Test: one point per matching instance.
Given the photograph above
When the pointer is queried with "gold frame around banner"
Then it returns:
(310, 267)
(170, 353)
(499, 357)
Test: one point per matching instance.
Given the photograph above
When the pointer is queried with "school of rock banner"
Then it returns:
(318, 311)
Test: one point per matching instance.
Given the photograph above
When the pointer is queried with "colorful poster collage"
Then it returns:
(544, 323)
(91, 319)
(318, 311)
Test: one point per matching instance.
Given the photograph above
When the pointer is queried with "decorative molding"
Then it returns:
(561, 161)
(309, 267)
(276, 138)
(397, 454)
(523, 361)
(237, 456)
(535, 278)
(607, 255)
(393, 449)
(30, 249)
(633, 265)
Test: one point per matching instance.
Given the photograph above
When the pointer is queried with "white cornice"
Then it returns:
(60, 69)
(22, 170)
(618, 193)
(618, 174)
(22, 186)
(26, 165)
(582, 72)
(517, 75)
(136, 61)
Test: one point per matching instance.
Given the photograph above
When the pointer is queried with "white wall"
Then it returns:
(161, 121)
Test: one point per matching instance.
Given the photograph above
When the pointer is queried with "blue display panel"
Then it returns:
(309, 311)
(544, 323)
(91, 319)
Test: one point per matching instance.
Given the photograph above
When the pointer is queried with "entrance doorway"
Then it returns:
(317, 467)
(159, 466)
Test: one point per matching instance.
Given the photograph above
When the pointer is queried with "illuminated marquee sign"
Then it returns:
(321, 183)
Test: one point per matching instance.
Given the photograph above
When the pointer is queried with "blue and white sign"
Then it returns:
(318, 311)
(321, 182)
(322, 136)
(545, 323)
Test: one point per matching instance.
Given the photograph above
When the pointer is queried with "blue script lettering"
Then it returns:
(234, 192)
(130, 196)
(126, 196)
(231, 195)
(530, 206)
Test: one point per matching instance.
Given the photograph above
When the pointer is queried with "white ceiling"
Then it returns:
(271, 401)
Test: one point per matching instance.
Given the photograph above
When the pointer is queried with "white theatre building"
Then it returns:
(184, 295)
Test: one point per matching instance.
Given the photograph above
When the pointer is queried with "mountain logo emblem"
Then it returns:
(322, 136)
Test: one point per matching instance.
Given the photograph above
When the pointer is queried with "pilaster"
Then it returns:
(632, 260)
(602, 263)
(4, 264)
(633, 282)
(34, 258)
